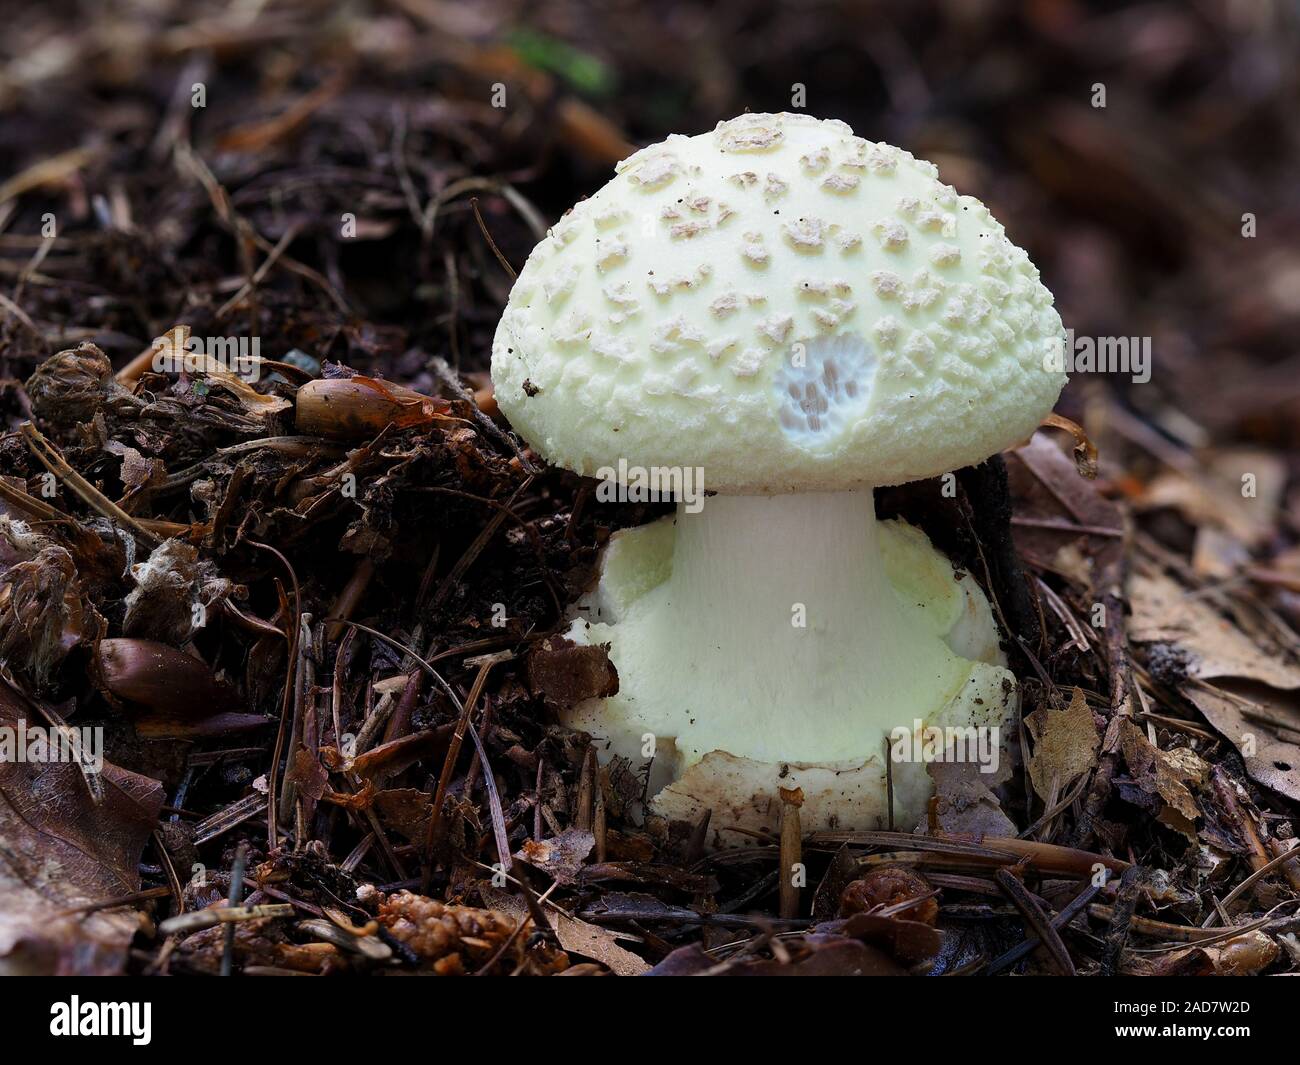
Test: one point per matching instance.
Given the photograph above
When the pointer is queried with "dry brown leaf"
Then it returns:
(965, 803)
(1214, 497)
(575, 935)
(596, 943)
(1065, 746)
(1167, 774)
(561, 856)
(1056, 509)
(1164, 612)
(60, 850)
(1262, 723)
(566, 673)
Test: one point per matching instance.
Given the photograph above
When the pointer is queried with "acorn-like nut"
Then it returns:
(888, 886)
(359, 407)
(158, 676)
(168, 693)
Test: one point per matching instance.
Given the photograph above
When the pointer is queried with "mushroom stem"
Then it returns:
(792, 589)
(772, 642)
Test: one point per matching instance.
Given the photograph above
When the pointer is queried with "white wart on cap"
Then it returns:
(785, 304)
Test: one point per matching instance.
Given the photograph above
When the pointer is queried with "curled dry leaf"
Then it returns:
(1171, 775)
(263, 941)
(1165, 612)
(965, 802)
(565, 673)
(1210, 495)
(1262, 723)
(1085, 452)
(574, 934)
(61, 854)
(1246, 955)
(1065, 746)
(1063, 523)
(44, 613)
(1254, 698)
(561, 856)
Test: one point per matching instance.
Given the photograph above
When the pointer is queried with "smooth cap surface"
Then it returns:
(784, 304)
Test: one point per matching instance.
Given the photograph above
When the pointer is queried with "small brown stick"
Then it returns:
(1261, 860)
(1176, 933)
(90, 777)
(243, 230)
(336, 691)
(1061, 525)
(121, 900)
(433, 833)
(586, 782)
(506, 859)
(889, 785)
(170, 869)
(272, 835)
(233, 899)
(1071, 910)
(347, 600)
(38, 508)
(1121, 920)
(197, 920)
(791, 850)
(259, 275)
(304, 674)
(448, 376)
(475, 548)
(1047, 858)
(699, 836)
(1036, 919)
(1226, 791)
(228, 817)
(537, 798)
(1111, 578)
(598, 826)
(49, 456)
(478, 217)
(477, 766)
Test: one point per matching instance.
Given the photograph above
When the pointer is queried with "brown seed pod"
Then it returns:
(166, 692)
(888, 886)
(360, 407)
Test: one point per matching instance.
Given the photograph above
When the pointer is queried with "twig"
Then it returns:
(234, 898)
(48, 455)
(478, 217)
(197, 920)
(791, 850)
(286, 701)
(1037, 920)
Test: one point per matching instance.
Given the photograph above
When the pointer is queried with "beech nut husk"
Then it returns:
(359, 407)
(886, 887)
(168, 694)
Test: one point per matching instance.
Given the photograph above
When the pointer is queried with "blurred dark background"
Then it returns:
(1134, 211)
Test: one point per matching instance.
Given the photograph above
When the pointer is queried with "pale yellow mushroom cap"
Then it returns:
(784, 304)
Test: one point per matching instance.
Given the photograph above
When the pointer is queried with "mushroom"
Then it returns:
(797, 315)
